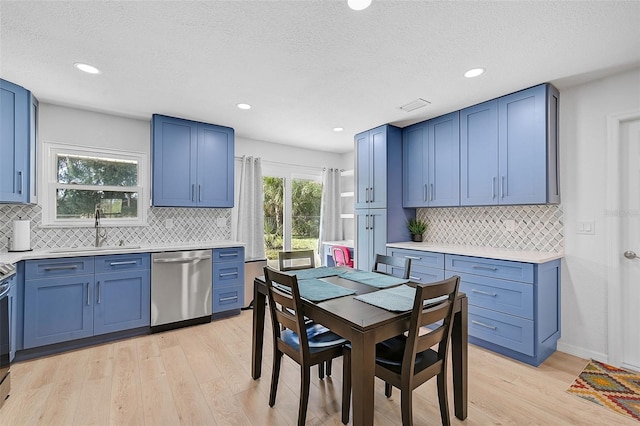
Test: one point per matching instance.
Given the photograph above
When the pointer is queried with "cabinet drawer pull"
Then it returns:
(182, 260)
(486, 293)
(228, 254)
(88, 295)
(228, 299)
(502, 187)
(486, 268)
(425, 195)
(99, 292)
(60, 268)
(431, 192)
(493, 187)
(481, 324)
(371, 196)
(411, 277)
(413, 257)
(128, 262)
(199, 192)
(228, 274)
(193, 192)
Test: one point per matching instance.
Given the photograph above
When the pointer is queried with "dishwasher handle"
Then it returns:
(182, 259)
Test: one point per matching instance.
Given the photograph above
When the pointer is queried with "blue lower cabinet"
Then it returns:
(57, 310)
(121, 301)
(13, 318)
(65, 300)
(228, 279)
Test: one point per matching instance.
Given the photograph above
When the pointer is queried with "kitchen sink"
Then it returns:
(91, 248)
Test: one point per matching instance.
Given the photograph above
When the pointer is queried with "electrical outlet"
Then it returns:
(510, 225)
(221, 221)
(168, 223)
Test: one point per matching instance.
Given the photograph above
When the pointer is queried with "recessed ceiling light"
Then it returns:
(474, 72)
(359, 4)
(338, 129)
(90, 69)
(244, 106)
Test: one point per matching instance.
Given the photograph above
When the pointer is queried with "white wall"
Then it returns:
(583, 137)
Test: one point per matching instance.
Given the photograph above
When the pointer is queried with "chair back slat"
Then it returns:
(385, 264)
(296, 260)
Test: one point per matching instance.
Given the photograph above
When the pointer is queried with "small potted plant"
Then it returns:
(417, 228)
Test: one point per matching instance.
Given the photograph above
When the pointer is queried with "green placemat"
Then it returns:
(397, 299)
(374, 279)
(321, 272)
(317, 290)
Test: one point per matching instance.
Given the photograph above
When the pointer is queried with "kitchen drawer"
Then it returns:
(493, 268)
(227, 274)
(422, 274)
(228, 298)
(501, 329)
(122, 262)
(419, 258)
(229, 254)
(509, 297)
(46, 268)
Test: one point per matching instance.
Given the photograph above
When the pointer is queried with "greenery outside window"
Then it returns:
(79, 180)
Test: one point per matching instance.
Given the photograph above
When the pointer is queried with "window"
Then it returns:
(291, 214)
(81, 180)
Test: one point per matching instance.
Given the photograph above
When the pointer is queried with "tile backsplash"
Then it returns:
(535, 227)
(189, 224)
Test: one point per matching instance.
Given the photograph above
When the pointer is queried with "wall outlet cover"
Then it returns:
(168, 223)
(221, 221)
(510, 225)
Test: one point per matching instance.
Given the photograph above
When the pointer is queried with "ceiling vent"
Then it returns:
(413, 105)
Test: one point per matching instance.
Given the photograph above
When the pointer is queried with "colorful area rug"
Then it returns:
(614, 388)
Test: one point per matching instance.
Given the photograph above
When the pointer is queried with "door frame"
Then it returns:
(613, 218)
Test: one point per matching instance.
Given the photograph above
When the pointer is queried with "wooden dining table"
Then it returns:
(365, 325)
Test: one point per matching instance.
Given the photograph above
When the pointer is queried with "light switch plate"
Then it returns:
(586, 228)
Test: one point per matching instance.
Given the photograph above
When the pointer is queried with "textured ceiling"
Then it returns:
(307, 66)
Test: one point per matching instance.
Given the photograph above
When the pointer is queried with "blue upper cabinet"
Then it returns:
(479, 154)
(18, 141)
(431, 162)
(509, 149)
(371, 168)
(192, 163)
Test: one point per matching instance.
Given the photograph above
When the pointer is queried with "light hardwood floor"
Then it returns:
(201, 376)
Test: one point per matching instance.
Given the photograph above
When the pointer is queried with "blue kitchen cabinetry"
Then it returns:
(18, 143)
(123, 292)
(13, 317)
(192, 163)
(514, 307)
(379, 214)
(72, 298)
(431, 162)
(509, 149)
(228, 280)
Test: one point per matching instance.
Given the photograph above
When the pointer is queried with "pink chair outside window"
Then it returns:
(341, 256)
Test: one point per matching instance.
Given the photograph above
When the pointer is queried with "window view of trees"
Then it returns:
(306, 197)
(85, 182)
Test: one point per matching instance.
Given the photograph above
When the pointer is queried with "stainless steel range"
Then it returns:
(7, 272)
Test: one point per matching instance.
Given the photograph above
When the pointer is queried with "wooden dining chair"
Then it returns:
(295, 260)
(406, 362)
(307, 343)
(391, 265)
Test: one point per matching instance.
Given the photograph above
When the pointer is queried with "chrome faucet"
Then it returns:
(101, 237)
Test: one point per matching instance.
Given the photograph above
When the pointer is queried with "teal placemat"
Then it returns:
(321, 272)
(317, 290)
(397, 299)
(374, 279)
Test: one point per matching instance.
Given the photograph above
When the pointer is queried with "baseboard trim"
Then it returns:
(582, 352)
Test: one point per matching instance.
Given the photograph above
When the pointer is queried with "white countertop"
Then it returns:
(13, 257)
(527, 256)
(346, 243)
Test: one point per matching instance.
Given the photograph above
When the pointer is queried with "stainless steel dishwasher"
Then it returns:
(181, 288)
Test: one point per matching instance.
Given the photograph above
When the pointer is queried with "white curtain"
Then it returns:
(330, 222)
(251, 209)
